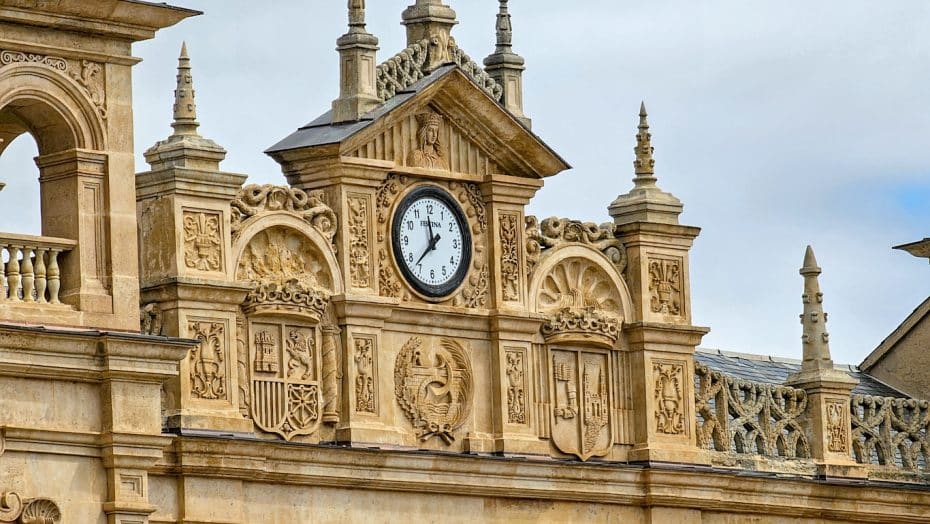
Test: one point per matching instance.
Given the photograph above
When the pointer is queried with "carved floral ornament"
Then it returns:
(288, 272)
(13, 508)
(582, 304)
(255, 201)
(86, 74)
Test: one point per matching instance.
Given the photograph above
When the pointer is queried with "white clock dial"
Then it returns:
(430, 243)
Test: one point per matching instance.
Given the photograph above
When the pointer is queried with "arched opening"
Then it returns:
(20, 195)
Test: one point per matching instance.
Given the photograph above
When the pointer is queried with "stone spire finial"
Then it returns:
(429, 19)
(506, 67)
(645, 163)
(815, 339)
(185, 105)
(645, 202)
(358, 51)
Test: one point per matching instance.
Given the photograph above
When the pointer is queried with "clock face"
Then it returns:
(431, 241)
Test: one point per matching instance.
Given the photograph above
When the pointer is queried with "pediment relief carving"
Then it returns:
(582, 304)
(553, 233)
(289, 274)
(427, 139)
(254, 201)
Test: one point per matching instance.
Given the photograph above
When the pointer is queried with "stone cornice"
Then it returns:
(133, 20)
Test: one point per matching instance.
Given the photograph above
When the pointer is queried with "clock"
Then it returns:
(431, 242)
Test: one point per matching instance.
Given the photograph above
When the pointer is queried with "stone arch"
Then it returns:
(44, 102)
(577, 276)
(320, 247)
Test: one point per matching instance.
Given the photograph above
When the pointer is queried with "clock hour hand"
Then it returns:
(431, 247)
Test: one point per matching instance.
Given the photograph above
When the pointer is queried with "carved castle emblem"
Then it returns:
(580, 386)
(669, 396)
(32, 511)
(287, 398)
(434, 387)
(429, 153)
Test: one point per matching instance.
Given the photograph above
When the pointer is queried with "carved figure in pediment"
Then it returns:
(429, 153)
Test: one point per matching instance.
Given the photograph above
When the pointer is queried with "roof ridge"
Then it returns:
(755, 357)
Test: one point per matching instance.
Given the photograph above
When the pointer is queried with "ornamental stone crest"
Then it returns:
(259, 200)
(580, 396)
(287, 396)
(582, 304)
(434, 387)
(555, 232)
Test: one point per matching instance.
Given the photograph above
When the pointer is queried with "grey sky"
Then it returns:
(778, 123)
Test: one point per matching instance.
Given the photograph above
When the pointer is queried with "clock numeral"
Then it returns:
(429, 209)
(406, 240)
(432, 274)
(416, 213)
(452, 227)
(410, 257)
(452, 260)
(410, 225)
(455, 243)
(444, 271)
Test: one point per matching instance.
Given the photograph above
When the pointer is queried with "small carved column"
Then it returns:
(660, 335)
(187, 270)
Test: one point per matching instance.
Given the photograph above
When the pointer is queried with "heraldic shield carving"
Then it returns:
(580, 386)
(286, 394)
(434, 387)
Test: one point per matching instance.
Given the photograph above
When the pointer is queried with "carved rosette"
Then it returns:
(203, 241)
(669, 397)
(208, 360)
(255, 201)
(516, 385)
(88, 75)
(554, 232)
(434, 387)
(33, 511)
(475, 292)
(580, 396)
(837, 426)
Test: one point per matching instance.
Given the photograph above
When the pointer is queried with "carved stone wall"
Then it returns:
(511, 259)
(665, 285)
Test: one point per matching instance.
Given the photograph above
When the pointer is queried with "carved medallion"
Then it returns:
(208, 360)
(580, 386)
(433, 385)
(669, 396)
(203, 241)
(287, 398)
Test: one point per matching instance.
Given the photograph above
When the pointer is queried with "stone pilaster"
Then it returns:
(661, 338)
(828, 389)
(186, 261)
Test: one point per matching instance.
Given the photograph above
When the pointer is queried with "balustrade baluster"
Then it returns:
(3, 280)
(40, 275)
(54, 276)
(28, 275)
(12, 274)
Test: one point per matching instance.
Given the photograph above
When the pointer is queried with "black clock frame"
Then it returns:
(427, 290)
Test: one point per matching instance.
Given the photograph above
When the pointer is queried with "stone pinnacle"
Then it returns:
(816, 340)
(185, 106)
(504, 29)
(645, 162)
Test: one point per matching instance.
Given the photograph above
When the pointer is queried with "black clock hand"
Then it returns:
(431, 247)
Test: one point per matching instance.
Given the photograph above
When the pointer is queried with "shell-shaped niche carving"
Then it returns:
(289, 272)
(577, 283)
(41, 511)
(582, 302)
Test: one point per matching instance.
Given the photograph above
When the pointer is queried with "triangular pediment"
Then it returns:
(476, 135)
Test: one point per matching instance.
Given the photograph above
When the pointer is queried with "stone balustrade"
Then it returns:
(891, 432)
(30, 273)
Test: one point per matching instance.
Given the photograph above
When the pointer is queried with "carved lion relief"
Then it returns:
(434, 388)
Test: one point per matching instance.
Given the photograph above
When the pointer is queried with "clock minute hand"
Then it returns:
(431, 247)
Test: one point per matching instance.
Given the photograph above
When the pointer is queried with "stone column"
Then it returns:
(187, 267)
(660, 335)
(828, 389)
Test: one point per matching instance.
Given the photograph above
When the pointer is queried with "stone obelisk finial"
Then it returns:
(506, 67)
(358, 51)
(645, 163)
(816, 340)
(645, 202)
(185, 105)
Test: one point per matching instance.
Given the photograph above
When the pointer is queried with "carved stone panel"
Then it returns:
(516, 385)
(365, 384)
(510, 257)
(434, 388)
(580, 396)
(208, 360)
(665, 285)
(668, 389)
(837, 426)
(203, 241)
(286, 392)
(359, 241)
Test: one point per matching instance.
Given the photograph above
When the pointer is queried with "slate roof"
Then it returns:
(774, 370)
